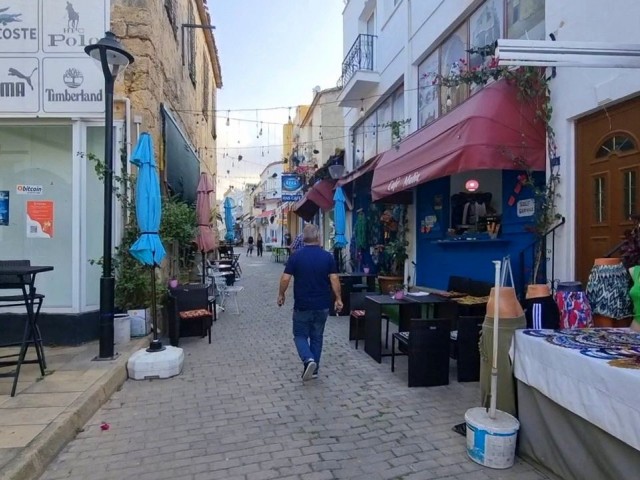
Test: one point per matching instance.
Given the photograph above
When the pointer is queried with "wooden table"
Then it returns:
(409, 307)
(23, 278)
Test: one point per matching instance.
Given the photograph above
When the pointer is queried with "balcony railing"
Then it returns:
(360, 57)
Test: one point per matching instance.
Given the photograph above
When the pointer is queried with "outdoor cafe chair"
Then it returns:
(189, 312)
(357, 318)
(227, 291)
(32, 334)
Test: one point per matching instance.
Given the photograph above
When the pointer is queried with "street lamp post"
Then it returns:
(112, 58)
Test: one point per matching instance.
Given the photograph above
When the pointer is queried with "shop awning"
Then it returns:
(182, 166)
(266, 214)
(320, 196)
(366, 167)
(485, 132)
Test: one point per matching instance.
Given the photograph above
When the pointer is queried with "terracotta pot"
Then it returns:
(538, 290)
(607, 261)
(388, 283)
(509, 306)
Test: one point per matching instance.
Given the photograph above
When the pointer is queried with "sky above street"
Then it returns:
(272, 53)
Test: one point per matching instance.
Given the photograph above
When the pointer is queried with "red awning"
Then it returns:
(366, 167)
(482, 133)
(266, 214)
(320, 196)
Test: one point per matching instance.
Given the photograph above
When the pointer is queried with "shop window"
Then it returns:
(525, 19)
(630, 180)
(370, 144)
(398, 112)
(485, 27)
(170, 8)
(206, 92)
(40, 222)
(191, 39)
(599, 199)
(453, 50)
(384, 115)
(428, 92)
(357, 144)
(616, 144)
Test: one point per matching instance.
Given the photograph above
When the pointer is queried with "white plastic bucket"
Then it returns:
(121, 328)
(491, 441)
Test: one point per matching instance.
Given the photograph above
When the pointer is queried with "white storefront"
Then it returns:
(51, 113)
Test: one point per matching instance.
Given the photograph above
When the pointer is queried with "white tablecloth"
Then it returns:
(606, 396)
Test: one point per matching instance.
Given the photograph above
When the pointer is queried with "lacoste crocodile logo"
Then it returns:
(6, 18)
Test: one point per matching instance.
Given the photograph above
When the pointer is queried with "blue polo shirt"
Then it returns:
(311, 267)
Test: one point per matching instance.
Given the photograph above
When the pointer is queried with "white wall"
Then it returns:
(579, 91)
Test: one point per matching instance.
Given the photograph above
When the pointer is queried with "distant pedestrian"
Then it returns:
(316, 277)
(259, 245)
(250, 246)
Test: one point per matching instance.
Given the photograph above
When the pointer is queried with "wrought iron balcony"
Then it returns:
(360, 57)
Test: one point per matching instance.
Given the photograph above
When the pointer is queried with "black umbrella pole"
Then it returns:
(155, 345)
(204, 268)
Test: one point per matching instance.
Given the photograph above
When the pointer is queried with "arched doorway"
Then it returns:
(607, 181)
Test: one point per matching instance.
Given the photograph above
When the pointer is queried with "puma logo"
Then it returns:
(27, 78)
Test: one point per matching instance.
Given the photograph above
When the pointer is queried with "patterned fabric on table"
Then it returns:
(608, 291)
(575, 311)
(189, 314)
(601, 343)
(404, 335)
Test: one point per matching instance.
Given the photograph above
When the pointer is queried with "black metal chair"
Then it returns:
(32, 334)
(189, 312)
(357, 318)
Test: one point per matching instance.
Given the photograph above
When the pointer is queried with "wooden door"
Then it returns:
(607, 181)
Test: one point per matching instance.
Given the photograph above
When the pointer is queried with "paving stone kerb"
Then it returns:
(240, 411)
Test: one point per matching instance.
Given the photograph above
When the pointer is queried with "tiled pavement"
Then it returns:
(240, 411)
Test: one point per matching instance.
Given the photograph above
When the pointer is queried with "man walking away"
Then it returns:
(316, 277)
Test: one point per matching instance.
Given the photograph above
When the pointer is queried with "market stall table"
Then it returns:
(579, 414)
(15, 277)
(409, 307)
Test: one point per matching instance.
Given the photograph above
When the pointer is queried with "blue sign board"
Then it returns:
(4, 207)
(291, 187)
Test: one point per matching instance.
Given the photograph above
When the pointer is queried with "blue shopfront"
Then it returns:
(470, 175)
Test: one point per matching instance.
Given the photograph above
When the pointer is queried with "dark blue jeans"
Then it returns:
(308, 328)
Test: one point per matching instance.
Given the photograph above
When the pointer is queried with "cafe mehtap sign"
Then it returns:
(291, 187)
(43, 67)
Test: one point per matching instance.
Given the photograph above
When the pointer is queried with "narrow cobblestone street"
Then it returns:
(240, 411)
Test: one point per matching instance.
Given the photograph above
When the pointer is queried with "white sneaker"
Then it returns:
(309, 369)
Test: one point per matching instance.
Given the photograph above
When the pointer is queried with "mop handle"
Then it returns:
(494, 360)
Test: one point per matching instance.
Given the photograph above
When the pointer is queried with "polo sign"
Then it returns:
(291, 187)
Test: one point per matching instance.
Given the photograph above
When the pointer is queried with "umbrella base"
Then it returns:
(150, 365)
(155, 346)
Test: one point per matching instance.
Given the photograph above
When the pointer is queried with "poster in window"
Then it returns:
(40, 219)
(4, 208)
(427, 90)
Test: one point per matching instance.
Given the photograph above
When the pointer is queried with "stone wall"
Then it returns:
(158, 77)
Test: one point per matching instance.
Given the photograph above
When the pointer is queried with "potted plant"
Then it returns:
(391, 263)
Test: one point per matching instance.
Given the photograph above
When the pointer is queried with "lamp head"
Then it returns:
(110, 54)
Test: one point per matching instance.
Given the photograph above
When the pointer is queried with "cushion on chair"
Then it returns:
(188, 314)
(358, 313)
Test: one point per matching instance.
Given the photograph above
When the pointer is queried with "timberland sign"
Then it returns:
(43, 67)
